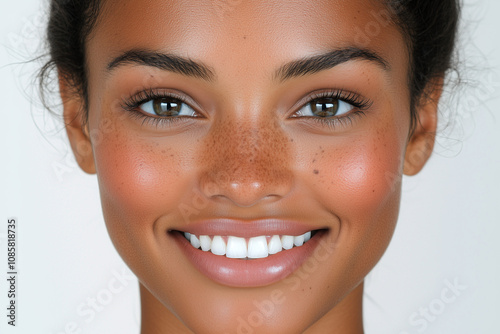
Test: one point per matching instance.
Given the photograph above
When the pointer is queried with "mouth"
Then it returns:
(249, 254)
(247, 248)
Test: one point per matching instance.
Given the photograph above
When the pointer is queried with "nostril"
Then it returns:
(246, 201)
(245, 187)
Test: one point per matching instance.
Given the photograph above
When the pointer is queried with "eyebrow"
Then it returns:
(163, 61)
(295, 68)
(324, 61)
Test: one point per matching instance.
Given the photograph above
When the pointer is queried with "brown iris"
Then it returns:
(167, 106)
(324, 107)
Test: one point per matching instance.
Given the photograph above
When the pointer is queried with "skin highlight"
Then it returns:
(246, 157)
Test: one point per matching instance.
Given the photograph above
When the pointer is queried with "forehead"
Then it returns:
(260, 32)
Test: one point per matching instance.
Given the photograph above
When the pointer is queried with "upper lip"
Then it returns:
(248, 228)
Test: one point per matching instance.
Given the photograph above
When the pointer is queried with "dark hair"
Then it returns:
(429, 27)
(69, 26)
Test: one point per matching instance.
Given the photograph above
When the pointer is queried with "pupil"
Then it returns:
(166, 106)
(325, 107)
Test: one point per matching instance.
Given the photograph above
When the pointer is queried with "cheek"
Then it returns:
(135, 181)
(365, 176)
(359, 183)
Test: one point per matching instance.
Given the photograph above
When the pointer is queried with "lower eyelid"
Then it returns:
(332, 123)
(158, 121)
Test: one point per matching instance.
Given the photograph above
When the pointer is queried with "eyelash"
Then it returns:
(132, 105)
(358, 103)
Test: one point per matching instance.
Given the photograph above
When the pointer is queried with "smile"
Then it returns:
(247, 248)
(249, 254)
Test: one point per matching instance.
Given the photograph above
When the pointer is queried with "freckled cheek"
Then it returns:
(136, 181)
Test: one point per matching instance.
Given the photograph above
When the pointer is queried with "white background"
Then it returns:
(447, 233)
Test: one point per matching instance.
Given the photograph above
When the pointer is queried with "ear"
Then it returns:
(421, 144)
(76, 128)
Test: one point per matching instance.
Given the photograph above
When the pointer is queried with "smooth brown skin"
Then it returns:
(347, 179)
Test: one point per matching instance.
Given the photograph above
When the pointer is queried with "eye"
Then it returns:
(325, 107)
(167, 106)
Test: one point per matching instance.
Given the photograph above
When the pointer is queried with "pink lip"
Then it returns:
(254, 272)
(248, 229)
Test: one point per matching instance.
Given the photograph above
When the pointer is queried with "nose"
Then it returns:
(246, 163)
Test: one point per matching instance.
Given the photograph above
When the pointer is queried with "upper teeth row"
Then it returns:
(239, 248)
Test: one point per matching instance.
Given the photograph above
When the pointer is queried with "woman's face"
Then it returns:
(286, 117)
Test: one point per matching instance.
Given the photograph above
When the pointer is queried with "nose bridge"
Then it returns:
(245, 160)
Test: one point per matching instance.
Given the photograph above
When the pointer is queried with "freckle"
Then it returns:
(171, 155)
(314, 160)
(244, 37)
(291, 139)
(162, 151)
(316, 171)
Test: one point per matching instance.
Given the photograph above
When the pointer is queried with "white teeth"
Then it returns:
(194, 241)
(287, 241)
(257, 247)
(298, 240)
(218, 246)
(274, 245)
(236, 248)
(205, 242)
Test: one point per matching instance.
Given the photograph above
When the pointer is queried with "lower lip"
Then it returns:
(248, 273)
